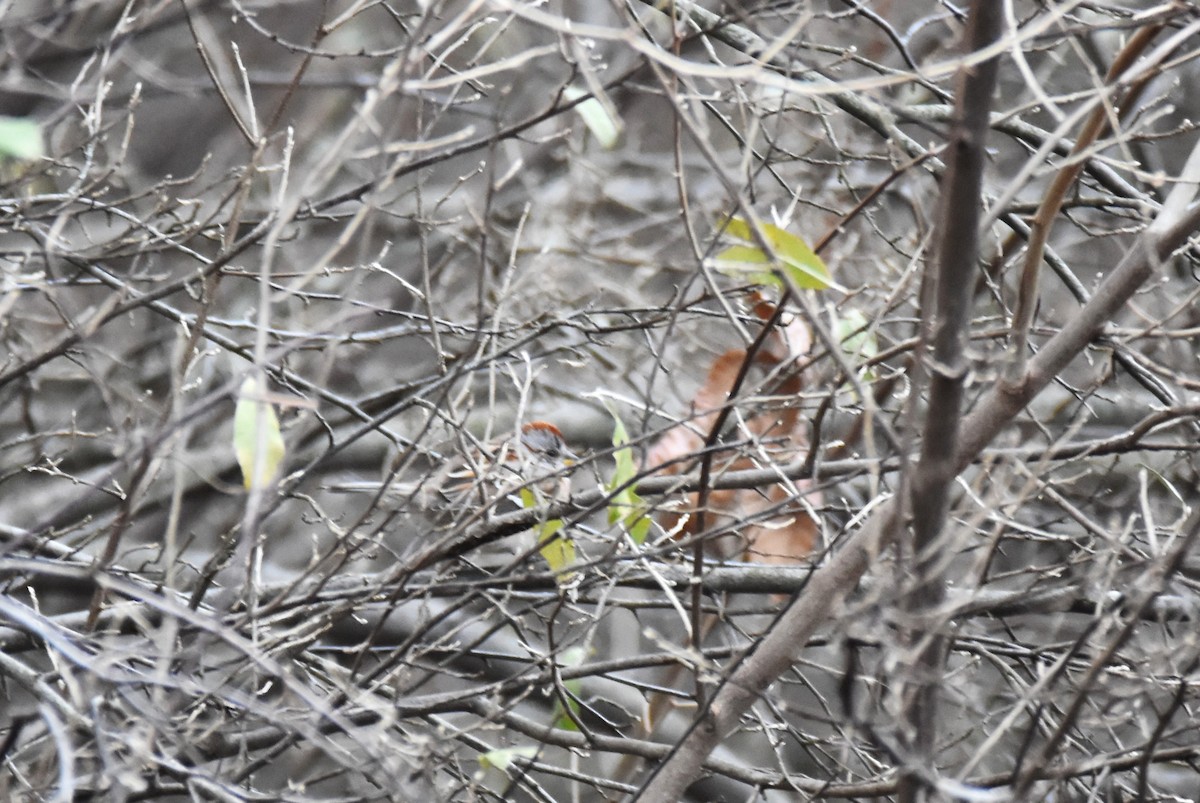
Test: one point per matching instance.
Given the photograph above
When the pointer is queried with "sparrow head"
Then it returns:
(543, 443)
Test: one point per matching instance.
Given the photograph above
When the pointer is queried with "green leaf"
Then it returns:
(257, 441)
(788, 253)
(21, 139)
(558, 552)
(597, 116)
(857, 339)
(625, 506)
(502, 758)
(571, 657)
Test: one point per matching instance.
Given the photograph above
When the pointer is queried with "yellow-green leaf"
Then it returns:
(502, 758)
(571, 657)
(854, 332)
(557, 550)
(599, 117)
(625, 506)
(21, 138)
(787, 253)
(257, 441)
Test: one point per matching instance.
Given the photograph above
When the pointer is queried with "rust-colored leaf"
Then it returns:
(768, 525)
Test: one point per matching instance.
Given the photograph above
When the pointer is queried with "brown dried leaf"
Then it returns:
(784, 537)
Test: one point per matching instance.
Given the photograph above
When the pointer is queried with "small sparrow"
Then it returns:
(536, 458)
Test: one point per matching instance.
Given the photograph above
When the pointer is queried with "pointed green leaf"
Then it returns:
(597, 117)
(625, 506)
(792, 256)
(21, 138)
(558, 552)
(573, 656)
(502, 758)
(257, 441)
(858, 341)
(749, 263)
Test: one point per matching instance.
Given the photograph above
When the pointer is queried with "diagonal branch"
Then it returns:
(775, 652)
(833, 581)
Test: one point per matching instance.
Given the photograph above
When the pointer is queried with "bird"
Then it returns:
(535, 457)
